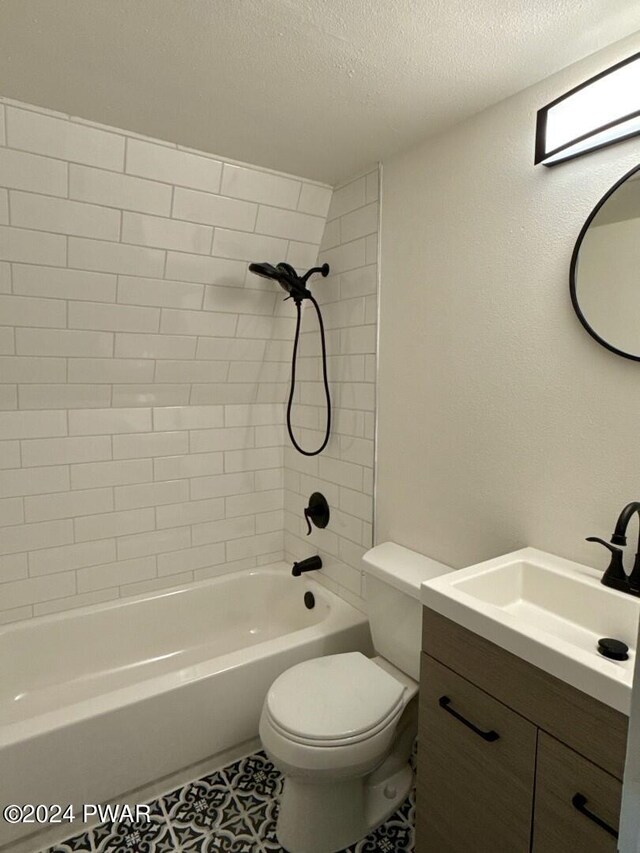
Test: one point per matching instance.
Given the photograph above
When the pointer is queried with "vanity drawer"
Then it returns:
(476, 767)
(587, 725)
(561, 777)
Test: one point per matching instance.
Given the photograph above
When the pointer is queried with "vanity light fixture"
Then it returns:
(598, 112)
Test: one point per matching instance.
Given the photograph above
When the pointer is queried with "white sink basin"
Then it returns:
(549, 611)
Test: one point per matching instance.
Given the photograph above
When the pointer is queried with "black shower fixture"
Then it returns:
(296, 286)
(288, 278)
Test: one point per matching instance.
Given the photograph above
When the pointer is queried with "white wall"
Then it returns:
(501, 422)
(344, 470)
(142, 370)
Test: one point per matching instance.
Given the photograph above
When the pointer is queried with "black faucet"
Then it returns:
(311, 564)
(615, 576)
(620, 538)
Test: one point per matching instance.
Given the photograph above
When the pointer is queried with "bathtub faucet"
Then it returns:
(311, 564)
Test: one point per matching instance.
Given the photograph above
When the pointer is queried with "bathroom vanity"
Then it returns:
(522, 724)
(537, 743)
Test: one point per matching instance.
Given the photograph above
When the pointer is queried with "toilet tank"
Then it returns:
(393, 575)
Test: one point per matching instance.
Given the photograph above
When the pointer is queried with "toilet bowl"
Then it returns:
(328, 739)
(341, 728)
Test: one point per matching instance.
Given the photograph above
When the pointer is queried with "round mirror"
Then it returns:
(605, 269)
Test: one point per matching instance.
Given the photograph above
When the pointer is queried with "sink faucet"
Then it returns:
(620, 538)
(615, 576)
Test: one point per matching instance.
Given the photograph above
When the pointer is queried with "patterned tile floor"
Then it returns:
(233, 810)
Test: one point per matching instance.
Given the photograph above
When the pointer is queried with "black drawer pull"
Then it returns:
(579, 802)
(445, 703)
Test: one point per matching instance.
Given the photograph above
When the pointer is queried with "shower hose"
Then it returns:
(293, 379)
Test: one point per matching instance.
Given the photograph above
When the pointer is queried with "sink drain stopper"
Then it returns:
(614, 649)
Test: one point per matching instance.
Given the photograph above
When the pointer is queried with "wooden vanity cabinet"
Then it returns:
(473, 786)
(561, 777)
(510, 759)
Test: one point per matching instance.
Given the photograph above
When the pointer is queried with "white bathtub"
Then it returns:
(102, 700)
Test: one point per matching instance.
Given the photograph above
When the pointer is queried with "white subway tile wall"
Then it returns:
(143, 372)
(344, 470)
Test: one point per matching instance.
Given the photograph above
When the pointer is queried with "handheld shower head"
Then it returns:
(264, 270)
(287, 277)
(296, 286)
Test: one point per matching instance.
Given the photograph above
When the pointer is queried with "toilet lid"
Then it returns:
(333, 697)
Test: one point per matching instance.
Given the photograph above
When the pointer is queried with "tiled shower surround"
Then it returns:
(143, 371)
(344, 470)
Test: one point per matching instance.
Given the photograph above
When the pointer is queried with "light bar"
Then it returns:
(599, 112)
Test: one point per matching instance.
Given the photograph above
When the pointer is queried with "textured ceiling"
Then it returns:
(320, 88)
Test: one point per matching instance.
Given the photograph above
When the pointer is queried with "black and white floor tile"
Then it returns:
(231, 811)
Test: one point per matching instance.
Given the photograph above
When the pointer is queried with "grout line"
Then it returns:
(9, 195)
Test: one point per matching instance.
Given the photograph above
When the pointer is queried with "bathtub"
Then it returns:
(102, 700)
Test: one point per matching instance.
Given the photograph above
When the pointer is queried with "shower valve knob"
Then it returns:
(317, 512)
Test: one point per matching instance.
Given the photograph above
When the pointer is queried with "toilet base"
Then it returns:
(326, 818)
(384, 798)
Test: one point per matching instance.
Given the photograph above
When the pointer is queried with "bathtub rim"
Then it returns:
(342, 615)
(277, 567)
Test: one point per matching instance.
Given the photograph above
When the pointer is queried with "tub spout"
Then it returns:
(311, 564)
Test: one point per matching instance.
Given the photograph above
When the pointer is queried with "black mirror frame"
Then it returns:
(574, 263)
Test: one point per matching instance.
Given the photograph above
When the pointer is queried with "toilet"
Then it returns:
(341, 728)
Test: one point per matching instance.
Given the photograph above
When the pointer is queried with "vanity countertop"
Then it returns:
(548, 611)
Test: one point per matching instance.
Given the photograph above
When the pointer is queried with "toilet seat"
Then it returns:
(334, 701)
